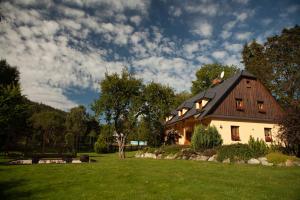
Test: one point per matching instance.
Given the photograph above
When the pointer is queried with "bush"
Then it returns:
(234, 152)
(84, 158)
(206, 138)
(258, 147)
(101, 146)
(277, 157)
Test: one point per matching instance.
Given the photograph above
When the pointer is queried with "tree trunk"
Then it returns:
(121, 138)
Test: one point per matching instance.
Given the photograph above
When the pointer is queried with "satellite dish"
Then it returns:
(222, 74)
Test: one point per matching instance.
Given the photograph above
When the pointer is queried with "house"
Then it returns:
(238, 107)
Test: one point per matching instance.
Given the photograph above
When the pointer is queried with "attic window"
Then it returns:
(261, 107)
(239, 104)
(248, 83)
(182, 111)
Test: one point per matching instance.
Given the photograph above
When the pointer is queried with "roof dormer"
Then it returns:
(182, 112)
(201, 103)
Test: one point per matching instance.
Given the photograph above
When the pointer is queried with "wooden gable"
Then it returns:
(244, 101)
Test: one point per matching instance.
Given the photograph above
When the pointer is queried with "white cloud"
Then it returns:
(267, 21)
(243, 36)
(191, 47)
(226, 34)
(136, 19)
(175, 11)
(241, 1)
(219, 54)
(202, 28)
(236, 48)
(204, 7)
(293, 8)
(204, 60)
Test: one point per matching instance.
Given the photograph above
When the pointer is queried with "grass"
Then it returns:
(136, 178)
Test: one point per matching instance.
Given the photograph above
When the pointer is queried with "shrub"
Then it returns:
(84, 158)
(206, 138)
(101, 146)
(277, 157)
(258, 147)
(172, 149)
(234, 152)
(171, 137)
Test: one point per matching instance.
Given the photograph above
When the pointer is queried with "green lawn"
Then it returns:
(111, 178)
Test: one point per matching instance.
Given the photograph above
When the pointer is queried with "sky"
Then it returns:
(64, 48)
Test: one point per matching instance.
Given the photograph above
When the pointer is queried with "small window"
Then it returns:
(268, 135)
(239, 104)
(235, 135)
(248, 83)
(199, 105)
(261, 107)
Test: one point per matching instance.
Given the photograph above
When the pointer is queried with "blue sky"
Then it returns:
(63, 48)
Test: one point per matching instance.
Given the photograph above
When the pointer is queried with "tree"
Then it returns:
(8, 75)
(181, 97)
(105, 140)
(289, 131)
(207, 73)
(76, 124)
(277, 64)
(158, 101)
(120, 104)
(13, 107)
(51, 124)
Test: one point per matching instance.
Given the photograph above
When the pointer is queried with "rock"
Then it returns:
(159, 156)
(185, 158)
(266, 163)
(202, 158)
(297, 163)
(76, 161)
(212, 159)
(150, 155)
(226, 160)
(240, 162)
(26, 162)
(262, 159)
(42, 162)
(289, 163)
(280, 164)
(253, 161)
(170, 157)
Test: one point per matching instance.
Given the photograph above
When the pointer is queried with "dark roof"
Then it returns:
(215, 96)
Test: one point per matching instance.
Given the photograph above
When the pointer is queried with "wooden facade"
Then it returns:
(251, 92)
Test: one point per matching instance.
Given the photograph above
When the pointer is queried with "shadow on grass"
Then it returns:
(9, 190)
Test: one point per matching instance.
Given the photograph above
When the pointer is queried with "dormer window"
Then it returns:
(261, 107)
(239, 104)
(182, 111)
(169, 118)
(200, 104)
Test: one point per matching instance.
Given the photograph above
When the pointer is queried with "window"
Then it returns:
(239, 104)
(199, 105)
(235, 135)
(248, 83)
(268, 135)
(261, 107)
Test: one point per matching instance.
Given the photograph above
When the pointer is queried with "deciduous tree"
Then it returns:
(207, 73)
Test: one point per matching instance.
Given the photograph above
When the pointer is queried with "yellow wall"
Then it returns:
(256, 129)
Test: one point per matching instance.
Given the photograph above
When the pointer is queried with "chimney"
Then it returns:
(216, 81)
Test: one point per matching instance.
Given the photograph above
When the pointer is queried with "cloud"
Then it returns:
(219, 54)
(204, 7)
(175, 11)
(241, 1)
(243, 36)
(267, 21)
(204, 60)
(136, 19)
(293, 8)
(226, 34)
(202, 28)
(236, 48)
